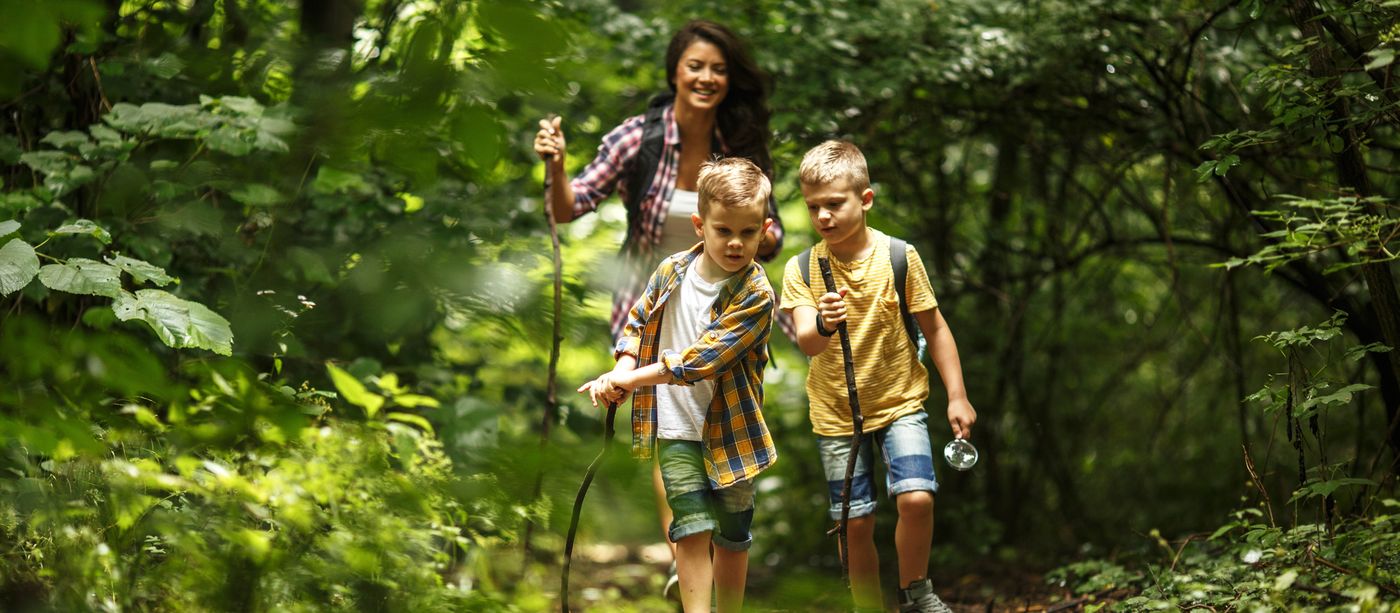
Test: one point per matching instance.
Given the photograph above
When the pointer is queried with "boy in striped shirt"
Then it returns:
(693, 351)
(891, 381)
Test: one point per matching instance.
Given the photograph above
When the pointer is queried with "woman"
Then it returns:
(718, 107)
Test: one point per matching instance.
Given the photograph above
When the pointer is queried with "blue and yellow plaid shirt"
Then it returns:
(732, 350)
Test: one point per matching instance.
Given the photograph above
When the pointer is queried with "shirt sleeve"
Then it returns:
(743, 325)
(599, 178)
(917, 288)
(796, 293)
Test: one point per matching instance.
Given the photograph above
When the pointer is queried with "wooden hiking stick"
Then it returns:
(857, 423)
(551, 401)
(608, 432)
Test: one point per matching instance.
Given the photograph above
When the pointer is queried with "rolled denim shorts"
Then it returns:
(696, 506)
(908, 458)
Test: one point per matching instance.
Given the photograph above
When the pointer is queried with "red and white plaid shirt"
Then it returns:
(605, 174)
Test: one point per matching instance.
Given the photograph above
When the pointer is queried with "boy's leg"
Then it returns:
(913, 535)
(864, 559)
(733, 508)
(688, 496)
(693, 564)
(663, 513)
(912, 483)
(663, 510)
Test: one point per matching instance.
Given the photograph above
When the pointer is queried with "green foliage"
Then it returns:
(1249, 566)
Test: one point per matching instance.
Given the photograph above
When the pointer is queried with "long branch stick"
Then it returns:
(551, 401)
(857, 423)
(608, 432)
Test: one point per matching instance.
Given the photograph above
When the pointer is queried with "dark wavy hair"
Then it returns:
(743, 116)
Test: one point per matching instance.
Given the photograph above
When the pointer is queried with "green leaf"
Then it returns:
(178, 323)
(1204, 171)
(166, 66)
(84, 226)
(82, 276)
(1341, 396)
(257, 194)
(66, 139)
(1226, 163)
(1380, 58)
(331, 181)
(18, 265)
(8, 227)
(140, 270)
(410, 418)
(353, 391)
(415, 400)
(229, 139)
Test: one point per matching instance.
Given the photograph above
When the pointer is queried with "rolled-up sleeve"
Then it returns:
(744, 324)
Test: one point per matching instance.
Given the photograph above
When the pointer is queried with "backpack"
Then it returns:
(899, 260)
(649, 156)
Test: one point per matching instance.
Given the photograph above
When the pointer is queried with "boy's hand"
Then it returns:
(831, 309)
(603, 389)
(961, 416)
(611, 387)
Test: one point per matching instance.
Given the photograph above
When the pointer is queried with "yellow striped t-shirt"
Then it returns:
(890, 381)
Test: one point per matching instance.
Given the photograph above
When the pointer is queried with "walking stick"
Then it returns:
(608, 432)
(551, 402)
(857, 423)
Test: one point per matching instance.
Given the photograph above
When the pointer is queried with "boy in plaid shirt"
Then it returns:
(693, 351)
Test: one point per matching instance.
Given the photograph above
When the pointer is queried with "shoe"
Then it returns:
(919, 598)
(672, 591)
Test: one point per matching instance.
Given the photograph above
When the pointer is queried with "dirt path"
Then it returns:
(610, 577)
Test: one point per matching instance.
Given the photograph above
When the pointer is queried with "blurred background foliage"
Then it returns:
(1163, 234)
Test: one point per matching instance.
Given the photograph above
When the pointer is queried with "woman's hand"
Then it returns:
(549, 141)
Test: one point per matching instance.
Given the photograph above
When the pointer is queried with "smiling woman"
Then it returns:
(717, 107)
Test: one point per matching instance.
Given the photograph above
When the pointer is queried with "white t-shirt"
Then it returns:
(678, 231)
(681, 409)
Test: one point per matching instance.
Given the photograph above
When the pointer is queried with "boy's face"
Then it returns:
(732, 234)
(836, 210)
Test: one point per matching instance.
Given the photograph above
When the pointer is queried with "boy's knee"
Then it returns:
(693, 540)
(861, 527)
(914, 503)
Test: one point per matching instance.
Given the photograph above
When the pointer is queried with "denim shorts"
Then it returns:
(696, 506)
(908, 458)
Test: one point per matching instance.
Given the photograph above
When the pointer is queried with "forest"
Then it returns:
(278, 290)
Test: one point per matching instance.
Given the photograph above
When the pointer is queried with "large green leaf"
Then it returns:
(85, 226)
(140, 270)
(82, 276)
(18, 265)
(8, 227)
(178, 323)
(353, 391)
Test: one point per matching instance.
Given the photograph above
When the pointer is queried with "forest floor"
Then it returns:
(613, 577)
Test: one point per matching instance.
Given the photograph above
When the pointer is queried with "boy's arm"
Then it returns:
(944, 351)
(742, 327)
(799, 301)
(831, 310)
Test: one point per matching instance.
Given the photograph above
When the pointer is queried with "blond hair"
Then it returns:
(732, 182)
(834, 160)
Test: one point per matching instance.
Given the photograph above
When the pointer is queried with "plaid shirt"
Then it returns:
(605, 174)
(733, 350)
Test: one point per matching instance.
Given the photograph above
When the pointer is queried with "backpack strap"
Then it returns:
(643, 170)
(899, 260)
(804, 263)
